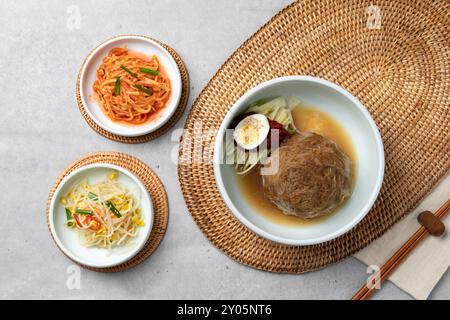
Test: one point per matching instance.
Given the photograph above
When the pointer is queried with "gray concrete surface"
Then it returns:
(41, 132)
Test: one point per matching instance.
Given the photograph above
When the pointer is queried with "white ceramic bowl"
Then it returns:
(142, 45)
(67, 239)
(347, 110)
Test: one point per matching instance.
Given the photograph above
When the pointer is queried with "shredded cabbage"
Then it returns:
(279, 110)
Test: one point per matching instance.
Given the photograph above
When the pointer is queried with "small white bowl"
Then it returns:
(139, 44)
(347, 110)
(67, 239)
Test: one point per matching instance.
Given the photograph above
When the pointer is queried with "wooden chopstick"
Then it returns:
(365, 292)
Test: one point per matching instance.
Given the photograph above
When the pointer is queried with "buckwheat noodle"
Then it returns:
(140, 94)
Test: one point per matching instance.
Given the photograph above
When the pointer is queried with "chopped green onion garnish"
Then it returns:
(68, 214)
(117, 86)
(81, 211)
(113, 209)
(70, 223)
(143, 89)
(92, 196)
(134, 75)
(150, 71)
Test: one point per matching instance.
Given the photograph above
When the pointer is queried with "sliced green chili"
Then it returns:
(150, 71)
(68, 214)
(117, 86)
(92, 196)
(131, 73)
(113, 209)
(143, 89)
(81, 211)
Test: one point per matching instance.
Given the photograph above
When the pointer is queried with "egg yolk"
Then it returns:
(249, 132)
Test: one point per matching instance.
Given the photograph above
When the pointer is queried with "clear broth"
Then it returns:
(305, 119)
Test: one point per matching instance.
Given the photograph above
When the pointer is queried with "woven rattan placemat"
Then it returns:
(154, 187)
(152, 135)
(399, 69)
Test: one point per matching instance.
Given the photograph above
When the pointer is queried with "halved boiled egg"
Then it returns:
(251, 131)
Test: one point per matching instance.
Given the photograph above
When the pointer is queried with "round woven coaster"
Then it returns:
(394, 57)
(154, 187)
(152, 135)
